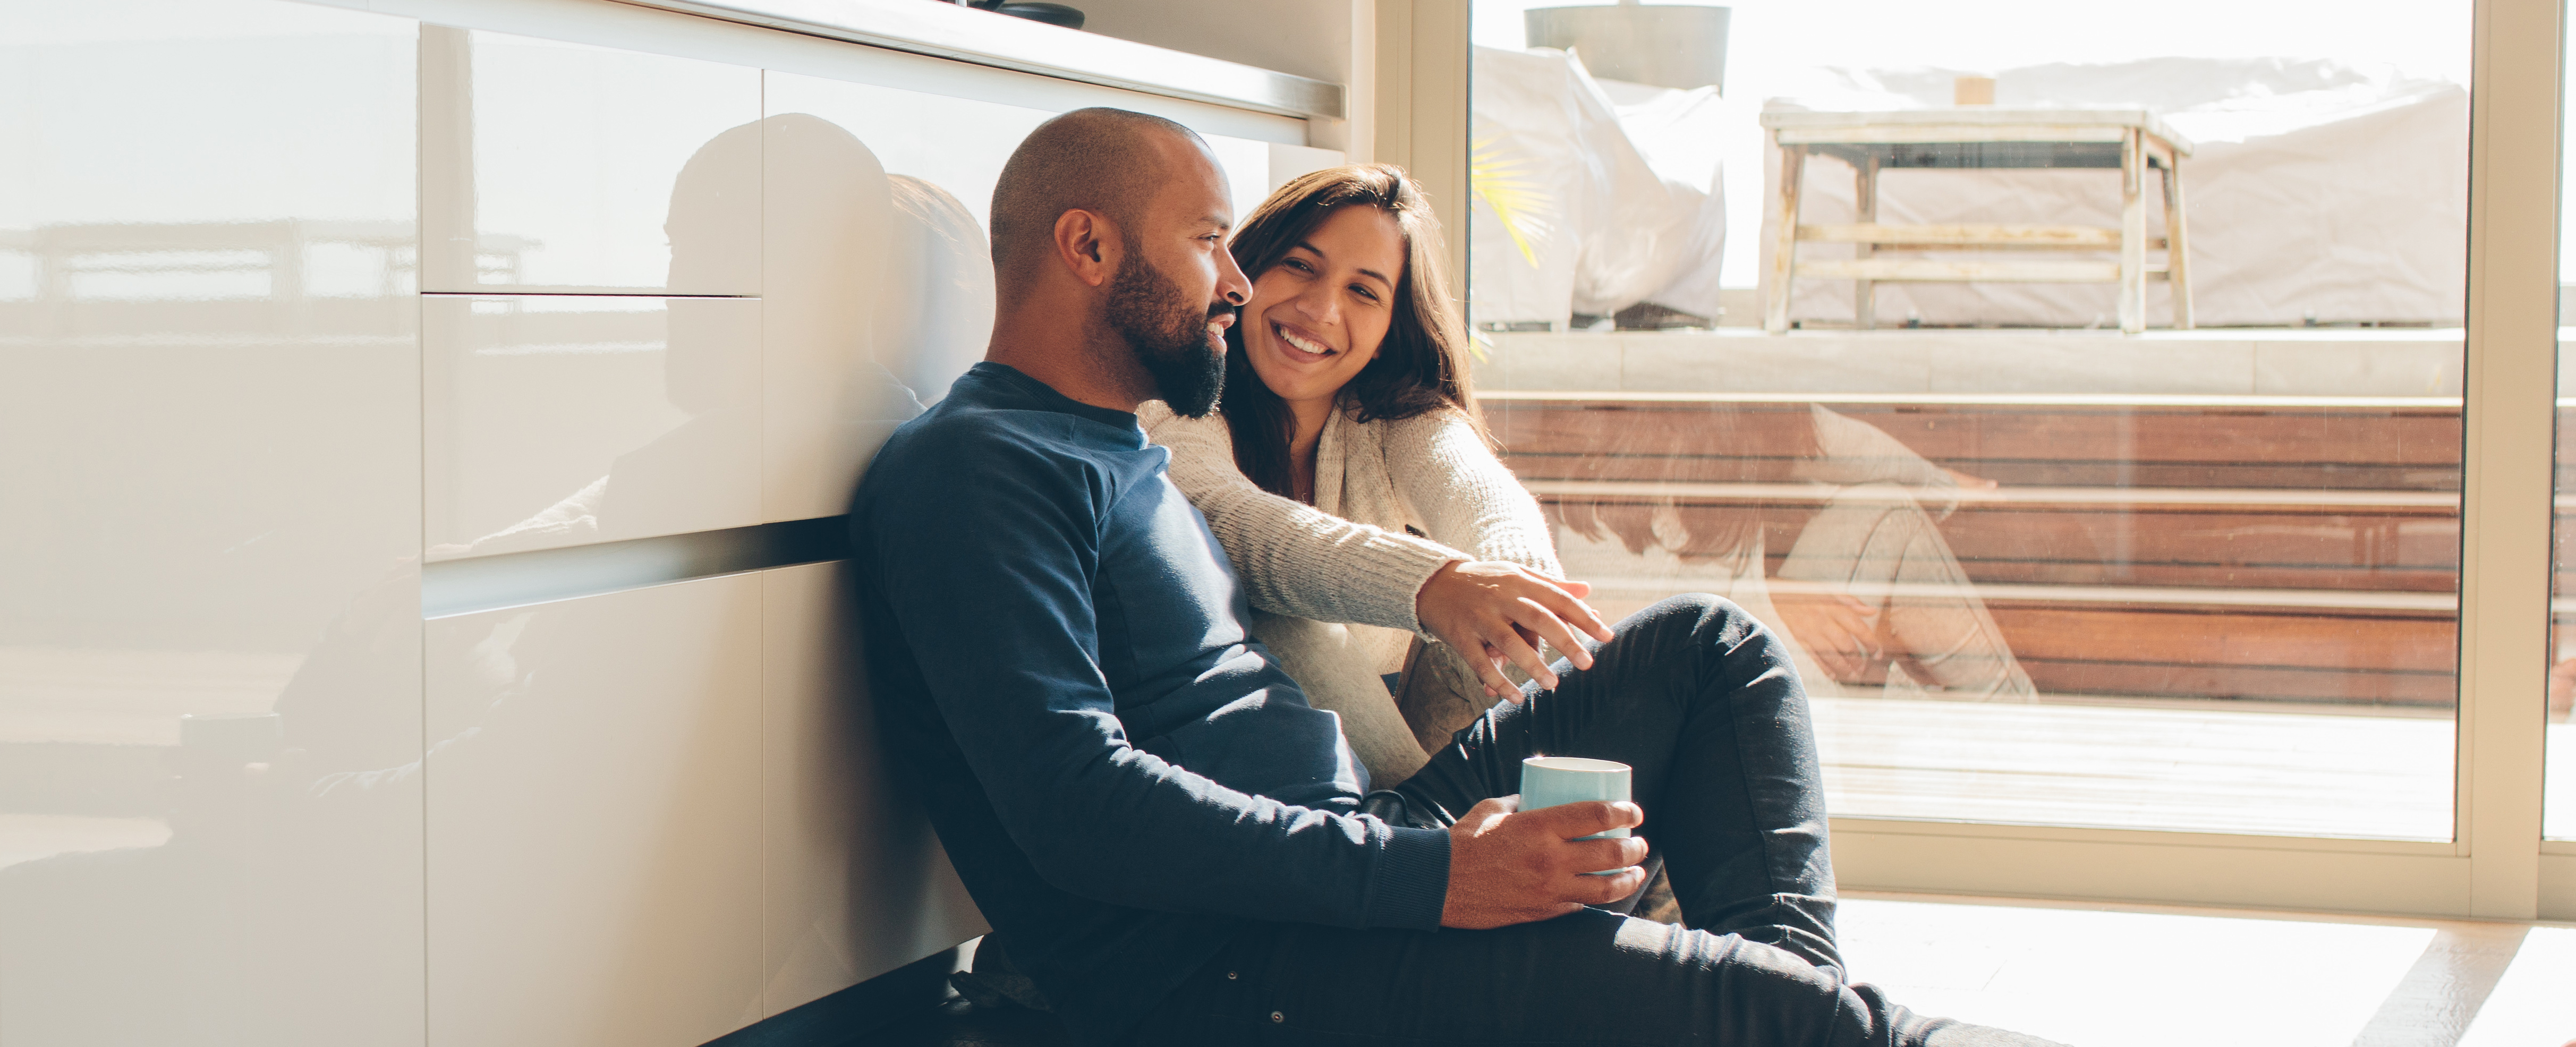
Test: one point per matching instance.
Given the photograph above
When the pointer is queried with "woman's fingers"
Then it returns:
(1538, 624)
(1488, 664)
(1510, 643)
(1509, 613)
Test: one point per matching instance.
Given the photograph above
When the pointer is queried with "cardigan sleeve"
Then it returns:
(1293, 558)
(1464, 495)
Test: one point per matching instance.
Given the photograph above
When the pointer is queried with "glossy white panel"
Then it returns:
(557, 420)
(857, 883)
(559, 166)
(209, 484)
(594, 819)
(882, 291)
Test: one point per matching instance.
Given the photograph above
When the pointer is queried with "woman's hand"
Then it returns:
(1967, 482)
(1493, 612)
(1841, 630)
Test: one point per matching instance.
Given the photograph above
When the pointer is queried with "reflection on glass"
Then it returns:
(207, 360)
(2034, 570)
(566, 154)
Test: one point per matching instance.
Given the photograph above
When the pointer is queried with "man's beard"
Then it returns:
(1169, 335)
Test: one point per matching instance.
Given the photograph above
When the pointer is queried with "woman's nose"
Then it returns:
(1320, 305)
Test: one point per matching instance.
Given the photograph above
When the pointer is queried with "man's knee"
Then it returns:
(1703, 617)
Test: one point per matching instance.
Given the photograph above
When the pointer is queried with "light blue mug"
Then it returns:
(1547, 781)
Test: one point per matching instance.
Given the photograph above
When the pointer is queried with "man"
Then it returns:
(1178, 848)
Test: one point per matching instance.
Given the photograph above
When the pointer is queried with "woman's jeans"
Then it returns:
(1701, 701)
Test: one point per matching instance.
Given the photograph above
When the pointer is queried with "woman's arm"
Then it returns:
(1465, 496)
(1293, 558)
(1850, 451)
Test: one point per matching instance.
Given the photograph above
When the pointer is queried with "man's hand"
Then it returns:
(1493, 612)
(1508, 867)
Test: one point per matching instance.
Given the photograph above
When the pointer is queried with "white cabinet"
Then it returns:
(557, 420)
(857, 884)
(563, 167)
(210, 492)
(294, 298)
(594, 819)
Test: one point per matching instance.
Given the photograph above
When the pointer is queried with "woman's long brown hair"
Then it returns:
(1418, 368)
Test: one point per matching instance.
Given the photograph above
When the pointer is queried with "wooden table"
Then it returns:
(1984, 137)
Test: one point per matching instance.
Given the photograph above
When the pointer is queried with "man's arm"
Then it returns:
(988, 568)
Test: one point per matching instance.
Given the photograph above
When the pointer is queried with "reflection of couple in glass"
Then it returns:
(1173, 844)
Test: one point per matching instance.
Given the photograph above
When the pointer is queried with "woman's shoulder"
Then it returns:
(1162, 425)
(1440, 433)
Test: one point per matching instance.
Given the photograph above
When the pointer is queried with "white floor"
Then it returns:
(2138, 975)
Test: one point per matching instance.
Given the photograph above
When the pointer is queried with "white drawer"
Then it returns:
(565, 167)
(555, 420)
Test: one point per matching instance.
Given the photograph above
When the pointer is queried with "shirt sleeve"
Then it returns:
(989, 581)
(1465, 495)
(1293, 558)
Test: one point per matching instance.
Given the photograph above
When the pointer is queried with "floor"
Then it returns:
(2199, 769)
(2141, 975)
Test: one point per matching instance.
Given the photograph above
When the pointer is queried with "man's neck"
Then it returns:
(1085, 361)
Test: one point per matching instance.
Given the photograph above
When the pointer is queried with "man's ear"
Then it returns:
(1088, 245)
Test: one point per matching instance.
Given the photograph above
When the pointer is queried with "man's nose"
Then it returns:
(1231, 284)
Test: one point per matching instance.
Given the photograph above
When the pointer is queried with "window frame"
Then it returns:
(2496, 865)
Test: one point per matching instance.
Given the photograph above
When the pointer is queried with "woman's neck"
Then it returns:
(1305, 434)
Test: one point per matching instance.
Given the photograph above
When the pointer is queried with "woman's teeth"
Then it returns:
(1300, 344)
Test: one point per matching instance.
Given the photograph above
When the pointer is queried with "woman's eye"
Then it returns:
(1365, 291)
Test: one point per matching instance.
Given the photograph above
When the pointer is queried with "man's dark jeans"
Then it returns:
(1701, 700)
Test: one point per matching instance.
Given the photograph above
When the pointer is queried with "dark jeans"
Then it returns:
(1701, 700)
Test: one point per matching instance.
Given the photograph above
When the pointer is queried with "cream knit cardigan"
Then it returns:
(1349, 557)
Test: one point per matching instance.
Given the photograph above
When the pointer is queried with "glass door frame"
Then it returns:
(2496, 865)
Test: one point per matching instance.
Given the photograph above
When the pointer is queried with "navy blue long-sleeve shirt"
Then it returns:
(1057, 653)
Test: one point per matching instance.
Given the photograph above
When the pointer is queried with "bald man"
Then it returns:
(1177, 848)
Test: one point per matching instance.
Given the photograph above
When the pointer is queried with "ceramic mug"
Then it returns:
(1547, 781)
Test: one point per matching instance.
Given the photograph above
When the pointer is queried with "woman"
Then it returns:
(1348, 447)
(1349, 451)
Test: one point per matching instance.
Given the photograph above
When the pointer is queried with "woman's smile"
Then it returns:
(1301, 347)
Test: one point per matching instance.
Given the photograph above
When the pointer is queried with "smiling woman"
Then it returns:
(1348, 426)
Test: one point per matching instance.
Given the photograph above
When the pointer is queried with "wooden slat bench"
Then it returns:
(2331, 581)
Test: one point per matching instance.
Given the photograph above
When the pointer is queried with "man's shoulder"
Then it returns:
(980, 458)
(953, 436)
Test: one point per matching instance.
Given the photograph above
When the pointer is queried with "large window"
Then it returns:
(2084, 406)
(2558, 806)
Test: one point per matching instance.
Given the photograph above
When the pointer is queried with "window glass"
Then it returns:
(2090, 426)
